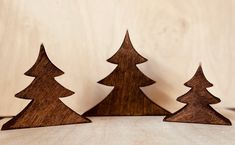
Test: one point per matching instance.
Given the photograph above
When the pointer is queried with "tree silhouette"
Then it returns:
(45, 109)
(126, 98)
(198, 99)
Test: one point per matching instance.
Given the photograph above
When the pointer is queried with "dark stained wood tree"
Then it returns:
(45, 109)
(198, 100)
(126, 99)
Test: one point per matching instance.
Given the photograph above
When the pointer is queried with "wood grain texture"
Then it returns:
(126, 99)
(80, 34)
(198, 100)
(45, 109)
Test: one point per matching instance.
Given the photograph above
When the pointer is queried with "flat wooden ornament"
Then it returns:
(198, 100)
(126, 99)
(45, 109)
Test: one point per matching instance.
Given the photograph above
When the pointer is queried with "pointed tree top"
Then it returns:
(43, 66)
(127, 53)
(199, 80)
(127, 39)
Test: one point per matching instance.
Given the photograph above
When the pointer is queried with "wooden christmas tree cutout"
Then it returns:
(45, 109)
(198, 99)
(126, 99)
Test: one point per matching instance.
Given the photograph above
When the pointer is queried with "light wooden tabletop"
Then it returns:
(125, 131)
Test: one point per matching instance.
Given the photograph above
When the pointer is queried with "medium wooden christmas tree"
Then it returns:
(126, 98)
(45, 109)
(198, 99)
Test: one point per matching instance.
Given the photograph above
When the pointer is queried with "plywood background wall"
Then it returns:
(79, 35)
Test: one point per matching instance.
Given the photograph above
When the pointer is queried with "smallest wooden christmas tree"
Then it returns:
(45, 109)
(198, 99)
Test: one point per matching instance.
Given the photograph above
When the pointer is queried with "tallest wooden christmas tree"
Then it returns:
(45, 109)
(126, 98)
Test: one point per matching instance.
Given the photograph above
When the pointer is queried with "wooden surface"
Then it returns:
(198, 102)
(175, 35)
(149, 130)
(126, 99)
(45, 108)
(80, 34)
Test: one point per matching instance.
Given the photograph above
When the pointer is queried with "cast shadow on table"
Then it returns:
(229, 113)
(157, 92)
(3, 117)
(158, 95)
(93, 97)
(231, 109)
